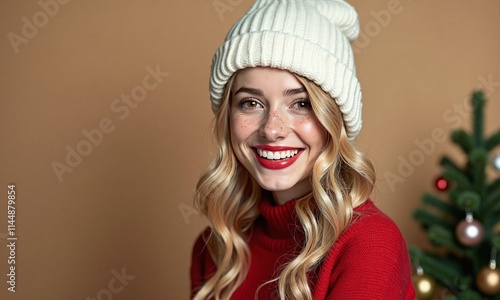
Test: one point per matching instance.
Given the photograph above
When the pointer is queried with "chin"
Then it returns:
(278, 185)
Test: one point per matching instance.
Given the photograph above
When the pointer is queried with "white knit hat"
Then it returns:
(310, 38)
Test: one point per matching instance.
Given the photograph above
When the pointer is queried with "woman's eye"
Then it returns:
(302, 104)
(248, 104)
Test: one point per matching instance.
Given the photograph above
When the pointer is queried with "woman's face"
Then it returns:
(274, 132)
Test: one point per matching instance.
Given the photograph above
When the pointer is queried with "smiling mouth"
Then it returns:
(276, 155)
(276, 160)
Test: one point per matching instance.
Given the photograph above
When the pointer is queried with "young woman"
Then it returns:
(287, 196)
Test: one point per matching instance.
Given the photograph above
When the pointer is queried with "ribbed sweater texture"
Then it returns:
(368, 261)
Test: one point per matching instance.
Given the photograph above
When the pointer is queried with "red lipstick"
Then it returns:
(279, 163)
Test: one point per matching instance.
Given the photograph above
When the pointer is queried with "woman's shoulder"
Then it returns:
(369, 222)
(372, 235)
(373, 251)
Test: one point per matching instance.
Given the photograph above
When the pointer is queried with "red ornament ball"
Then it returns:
(441, 183)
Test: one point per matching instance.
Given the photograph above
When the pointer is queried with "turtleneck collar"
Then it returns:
(278, 226)
(279, 221)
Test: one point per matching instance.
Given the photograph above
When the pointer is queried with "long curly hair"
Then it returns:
(342, 179)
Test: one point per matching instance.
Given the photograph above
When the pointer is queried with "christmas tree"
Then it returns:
(465, 226)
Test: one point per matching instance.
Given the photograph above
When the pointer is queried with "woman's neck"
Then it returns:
(299, 190)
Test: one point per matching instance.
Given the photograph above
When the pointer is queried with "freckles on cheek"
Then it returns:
(305, 123)
(242, 126)
(306, 119)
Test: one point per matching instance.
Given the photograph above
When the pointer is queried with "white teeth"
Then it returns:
(277, 155)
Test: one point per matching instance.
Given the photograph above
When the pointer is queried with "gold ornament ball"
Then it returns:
(425, 286)
(488, 281)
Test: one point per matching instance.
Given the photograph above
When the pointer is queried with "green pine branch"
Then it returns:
(441, 205)
(478, 159)
(493, 186)
(463, 140)
(469, 295)
(448, 163)
(492, 141)
(493, 208)
(427, 219)
(454, 194)
(469, 201)
(442, 236)
(478, 117)
(443, 269)
(492, 201)
(490, 220)
(495, 241)
(458, 177)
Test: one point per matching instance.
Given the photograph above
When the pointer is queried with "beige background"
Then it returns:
(128, 203)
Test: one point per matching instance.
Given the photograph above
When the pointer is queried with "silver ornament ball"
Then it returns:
(469, 232)
(496, 162)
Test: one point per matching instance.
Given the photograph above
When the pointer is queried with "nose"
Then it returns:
(274, 127)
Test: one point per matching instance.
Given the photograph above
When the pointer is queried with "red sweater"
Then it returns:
(368, 261)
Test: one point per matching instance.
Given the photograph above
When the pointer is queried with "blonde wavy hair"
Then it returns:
(342, 179)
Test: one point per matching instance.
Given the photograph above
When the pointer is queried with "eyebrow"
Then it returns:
(258, 92)
(291, 92)
(252, 91)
